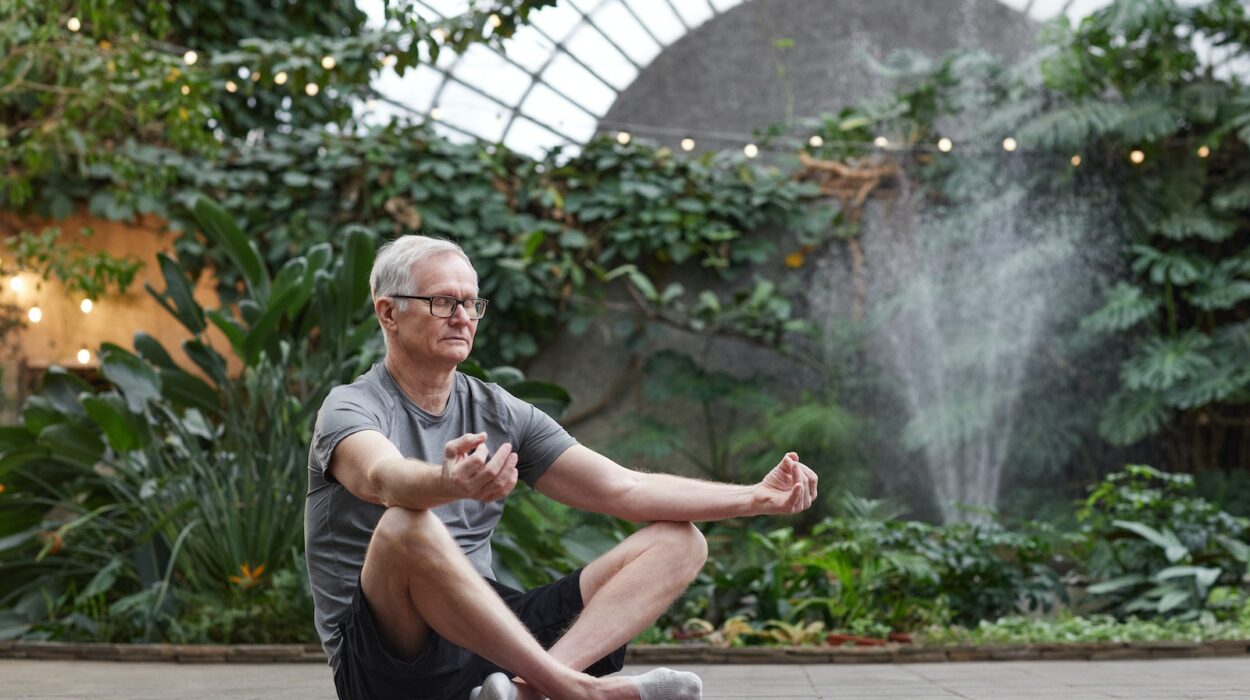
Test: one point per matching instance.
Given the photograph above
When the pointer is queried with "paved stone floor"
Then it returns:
(1013, 680)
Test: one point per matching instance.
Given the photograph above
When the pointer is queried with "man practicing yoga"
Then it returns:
(407, 475)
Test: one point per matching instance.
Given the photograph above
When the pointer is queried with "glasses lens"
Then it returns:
(479, 308)
(442, 306)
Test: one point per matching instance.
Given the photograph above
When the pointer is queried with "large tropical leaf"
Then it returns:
(1175, 266)
(222, 229)
(1131, 416)
(1196, 223)
(1161, 362)
(137, 381)
(178, 297)
(1069, 127)
(1126, 306)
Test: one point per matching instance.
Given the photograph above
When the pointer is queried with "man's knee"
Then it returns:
(411, 534)
(686, 542)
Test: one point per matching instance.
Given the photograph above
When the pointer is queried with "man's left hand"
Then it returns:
(789, 488)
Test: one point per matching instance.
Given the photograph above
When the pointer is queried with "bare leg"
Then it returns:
(416, 578)
(629, 588)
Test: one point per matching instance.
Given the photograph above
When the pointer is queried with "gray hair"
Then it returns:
(392, 268)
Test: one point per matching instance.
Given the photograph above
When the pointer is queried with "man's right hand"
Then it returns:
(469, 474)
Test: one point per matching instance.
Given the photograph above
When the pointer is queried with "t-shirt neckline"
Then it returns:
(412, 406)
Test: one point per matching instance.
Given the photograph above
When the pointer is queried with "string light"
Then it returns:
(280, 78)
(1076, 160)
(328, 62)
(439, 35)
(84, 356)
(815, 141)
(751, 150)
(494, 21)
(35, 314)
(945, 145)
(185, 90)
(881, 142)
(436, 113)
(231, 86)
(17, 284)
(190, 58)
(86, 306)
(687, 144)
(1204, 151)
(311, 89)
(74, 24)
(256, 77)
(1137, 156)
(622, 137)
(1010, 145)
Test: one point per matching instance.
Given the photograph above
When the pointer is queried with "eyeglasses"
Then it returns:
(445, 307)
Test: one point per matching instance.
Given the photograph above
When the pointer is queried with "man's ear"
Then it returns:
(384, 308)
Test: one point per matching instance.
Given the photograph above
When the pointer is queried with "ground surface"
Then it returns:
(1018, 680)
(1010, 680)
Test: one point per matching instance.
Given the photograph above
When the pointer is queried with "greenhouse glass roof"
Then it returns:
(555, 79)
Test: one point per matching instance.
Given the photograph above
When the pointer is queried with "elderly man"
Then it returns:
(407, 475)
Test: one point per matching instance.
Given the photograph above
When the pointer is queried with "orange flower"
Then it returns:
(53, 541)
(794, 260)
(250, 577)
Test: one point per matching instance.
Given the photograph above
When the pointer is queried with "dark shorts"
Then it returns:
(366, 669)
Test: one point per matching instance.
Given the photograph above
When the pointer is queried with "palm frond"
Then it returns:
(1161, 362)
(1126, 306)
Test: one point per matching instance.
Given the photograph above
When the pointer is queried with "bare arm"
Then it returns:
(373, 470)
(584, 479)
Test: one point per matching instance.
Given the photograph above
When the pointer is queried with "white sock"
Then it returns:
(497, 686)
(667, 684)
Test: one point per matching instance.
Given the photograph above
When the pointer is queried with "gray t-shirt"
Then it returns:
(337, 525)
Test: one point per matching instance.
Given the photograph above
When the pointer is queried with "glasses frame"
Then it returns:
(429, 300)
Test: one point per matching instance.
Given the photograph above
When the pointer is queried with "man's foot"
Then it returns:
(497, 686)
(667, 684)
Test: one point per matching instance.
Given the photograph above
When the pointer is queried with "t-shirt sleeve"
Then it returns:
(342, 414)
(539, 441)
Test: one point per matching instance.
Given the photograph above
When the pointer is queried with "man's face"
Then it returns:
(423, 335)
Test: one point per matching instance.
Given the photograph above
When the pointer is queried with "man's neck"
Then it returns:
(428, 387)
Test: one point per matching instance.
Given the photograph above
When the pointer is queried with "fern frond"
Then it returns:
(1071, 126)
(1219, 294)
(1235, 198)
(1148, 119)
(1179, 268)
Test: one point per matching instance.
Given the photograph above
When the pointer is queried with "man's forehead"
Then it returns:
(445, 273)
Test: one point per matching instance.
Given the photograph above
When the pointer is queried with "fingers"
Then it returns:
(463, 444)
(498, 476)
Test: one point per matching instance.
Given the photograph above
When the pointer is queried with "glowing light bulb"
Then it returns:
(389, 60)
(231, 86)
(186, 90)
(311, 89)
(328, 62)
(190, 58)
(256, 76)
(623, 137)
(1010, 145)
(436, 113)
(17, 284)
(439, 35)
(687, 144)
(84, 356)
(35, 314)
(816, 141)
(280, 78)
(945, 145)
(86, 306)
(1204, 151)
(74, 24)
(751, 150)
(1137, 156)
(881, 142)
(1076, 160)
(494, 21)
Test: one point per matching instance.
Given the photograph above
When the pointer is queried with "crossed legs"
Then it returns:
(415, 579)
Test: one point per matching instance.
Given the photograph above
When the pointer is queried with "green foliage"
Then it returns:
(1156, 548)
(90, 274)
(1067, 627)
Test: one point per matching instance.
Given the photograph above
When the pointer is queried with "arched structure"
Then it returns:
(590, 65)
